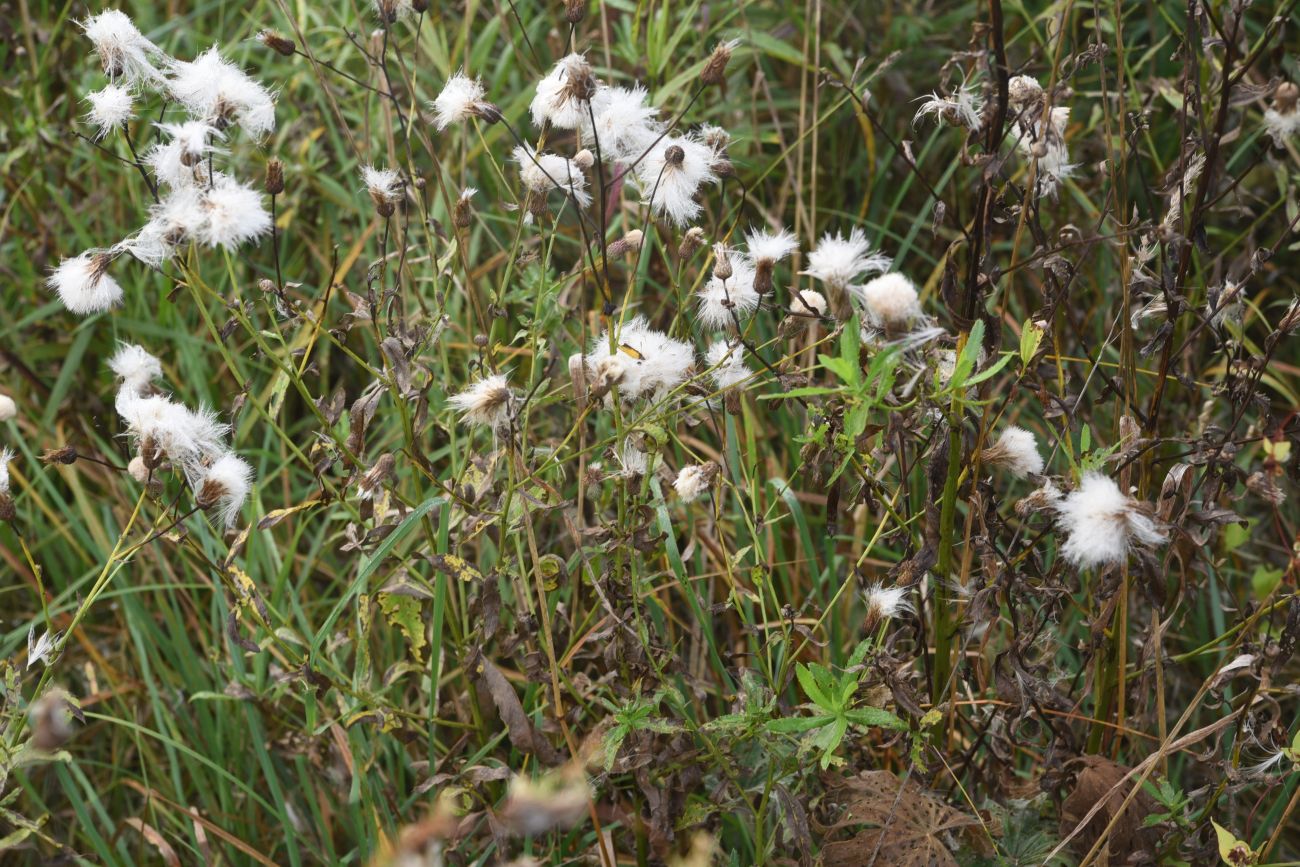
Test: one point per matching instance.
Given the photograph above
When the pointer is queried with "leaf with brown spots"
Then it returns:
(910, 828)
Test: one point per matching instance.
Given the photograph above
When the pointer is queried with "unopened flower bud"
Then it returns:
(575, 10)
(584, 159)
(1286, 96)
(8, 409)
(691, 241)
(716, 68)
(722, 264)
(282, 45)
(629, 243)
(274, 177)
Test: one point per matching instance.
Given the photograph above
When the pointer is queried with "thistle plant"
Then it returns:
(663, 435)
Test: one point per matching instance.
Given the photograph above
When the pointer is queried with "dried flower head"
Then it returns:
(1017, 450)
(695, 480)
(461, 98)
(1103, 523)
(564, 96)
(490, 402)
(963, 108)
(765, 250)
(277, 42)
(385, 188)
(224, 487)
(462, 216)
(884, 603)
(84, 285)
(1023, 90)
(110, 107)
(629, 243)
(1282, 119)
(715, 68)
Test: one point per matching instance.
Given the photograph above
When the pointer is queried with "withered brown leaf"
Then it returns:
(911, 827)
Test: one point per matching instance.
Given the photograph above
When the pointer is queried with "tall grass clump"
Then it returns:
(637, 433)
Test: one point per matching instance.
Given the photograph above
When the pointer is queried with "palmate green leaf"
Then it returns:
(811, 688)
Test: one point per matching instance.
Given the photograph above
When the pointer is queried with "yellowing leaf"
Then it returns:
(404, 613)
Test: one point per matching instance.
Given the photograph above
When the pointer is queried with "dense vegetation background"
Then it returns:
(348, 679)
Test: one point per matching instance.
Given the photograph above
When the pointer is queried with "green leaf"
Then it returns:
(875, 717)
(828, 740)
(797, 724)
(1031, 336)
(811, 688)
(403, 611)
(1264, 580)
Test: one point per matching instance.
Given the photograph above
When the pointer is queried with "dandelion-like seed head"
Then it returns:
(110, 107)
(233, 215)
(462, 98)
(1017, 451)
(84, 285)
(726, 363)
(122, 48)
(1103, 523)
(564, 96)
(490, 402)
(217, 91)
(671, 175)
(722, 301)
(134, 366)
(885, 603)
(962, 108)
(224, 487)
(643, 362)
(384, 187)
(622, 125)
(838, 262)
(892, 302)
(695, 480)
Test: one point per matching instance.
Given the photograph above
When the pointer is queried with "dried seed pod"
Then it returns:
(274, 177)
(277, 42)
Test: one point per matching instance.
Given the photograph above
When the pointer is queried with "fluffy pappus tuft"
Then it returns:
(224, 486)
(1103, 523)
(490, 402)
(134, 366)
(1017, 451)
(110, 107)
(84, 285)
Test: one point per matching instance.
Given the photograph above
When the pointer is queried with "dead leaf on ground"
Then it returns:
(1098, 778)
(911, 828)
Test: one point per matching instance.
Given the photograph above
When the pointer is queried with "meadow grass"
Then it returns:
(512, 647)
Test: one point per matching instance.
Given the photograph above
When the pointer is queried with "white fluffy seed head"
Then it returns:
(384, 186)
(163, 429)
(192, 142)
(624, 124)
(839, 261)
(217, 91)
(694, 480)
(8, 409)
(224, 486)
(726, 363)
(461, 98)
(490, 402)
(643, 363)
(1103, 523)
(962, 108)
(885, 603)
(765, 246)
(6, 458)
(671, 176)
(134, 367)
(125, 52)
(808, 302)
(110, 107)
(1023, 90)
(564, 95)
(84, 285)
(544, 172)
(1017, 451)
(891, 302)
(1281, 125)
(724, 302)
(234, 215)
